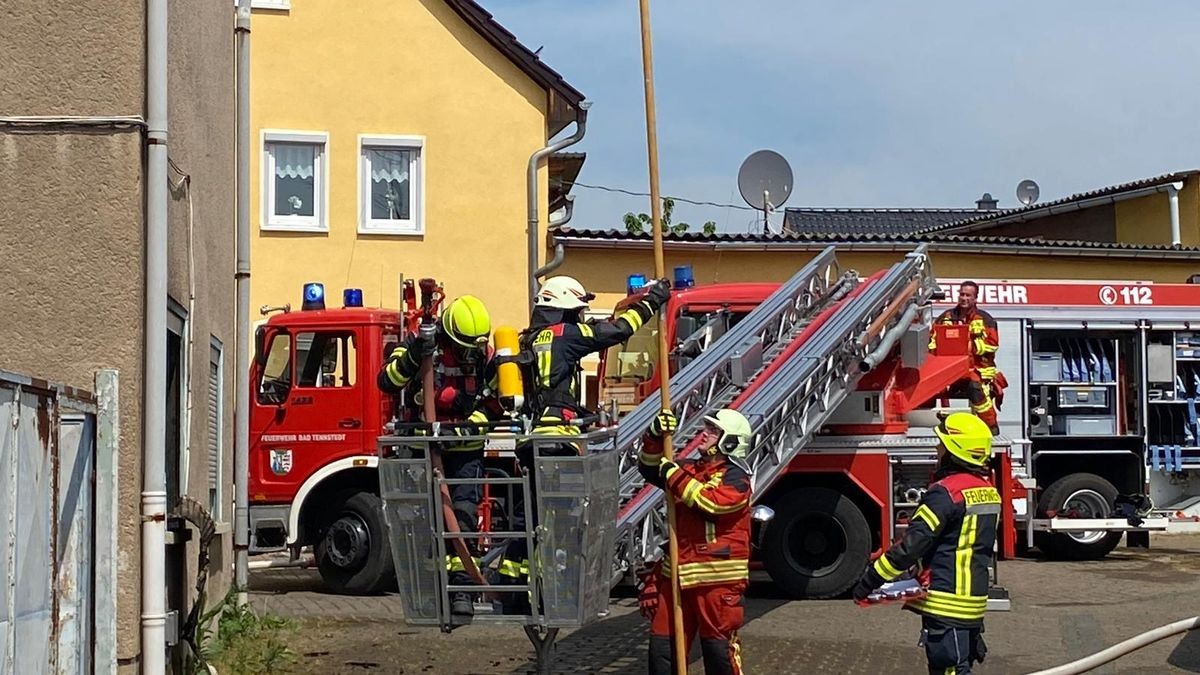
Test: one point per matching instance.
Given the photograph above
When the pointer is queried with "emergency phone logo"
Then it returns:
(281, 462)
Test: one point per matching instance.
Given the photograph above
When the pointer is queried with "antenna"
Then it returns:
(765, 181)
(1027, 192)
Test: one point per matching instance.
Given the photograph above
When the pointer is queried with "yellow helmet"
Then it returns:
(466, 322)
(966, 437)
(735, 432)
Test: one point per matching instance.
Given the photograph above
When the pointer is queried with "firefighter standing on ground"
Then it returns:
(985, 388)
(556, 341)
(951, 535)
(460, 359)
(712, 525)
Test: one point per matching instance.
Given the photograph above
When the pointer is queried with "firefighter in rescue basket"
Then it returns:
(950, 537)
(557, 339)
(985, 388)
(461, 373)
(712, 525)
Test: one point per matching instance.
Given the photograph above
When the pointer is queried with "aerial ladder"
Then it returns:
(786, 366)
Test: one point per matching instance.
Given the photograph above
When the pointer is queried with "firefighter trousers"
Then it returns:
(465, 500)
(514, 568)
(951, 650)
(980, 394)
(715, 611)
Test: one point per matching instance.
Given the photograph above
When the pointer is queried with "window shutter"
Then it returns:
(216, 432)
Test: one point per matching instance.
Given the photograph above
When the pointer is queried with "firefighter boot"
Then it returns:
(462, 603)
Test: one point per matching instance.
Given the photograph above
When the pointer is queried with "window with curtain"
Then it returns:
(390, 193)
(294, 181)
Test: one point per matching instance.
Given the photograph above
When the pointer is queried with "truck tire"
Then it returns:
(353, 554)
(818, 544)
(1092, 497)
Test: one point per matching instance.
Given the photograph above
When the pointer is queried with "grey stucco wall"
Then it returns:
(71, 224)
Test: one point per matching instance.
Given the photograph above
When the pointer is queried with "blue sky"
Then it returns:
(873, 103)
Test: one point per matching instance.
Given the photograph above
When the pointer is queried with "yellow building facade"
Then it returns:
(393, 137)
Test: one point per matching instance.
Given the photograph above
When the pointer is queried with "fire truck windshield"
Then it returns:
(635, 359)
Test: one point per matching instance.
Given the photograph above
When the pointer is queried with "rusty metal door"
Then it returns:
(47, 510)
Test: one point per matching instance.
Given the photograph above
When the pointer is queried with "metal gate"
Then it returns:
(47, 527)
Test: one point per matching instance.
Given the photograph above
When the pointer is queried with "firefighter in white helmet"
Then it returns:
(557, 339)
(712, 526)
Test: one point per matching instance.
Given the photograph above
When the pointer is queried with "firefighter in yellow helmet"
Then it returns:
(950, 536)
(712, 524)
(461, 357)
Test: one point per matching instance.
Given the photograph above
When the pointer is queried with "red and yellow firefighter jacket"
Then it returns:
(951, 535)
(985, 337)
(713, 524)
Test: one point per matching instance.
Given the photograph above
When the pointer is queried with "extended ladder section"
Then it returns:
(727, 366)
(798, 387)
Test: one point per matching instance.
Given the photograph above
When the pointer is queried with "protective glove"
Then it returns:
(869, 581)
(648, 593)
(659, 293)
(663, 423)
(423, 346)
(665, 467)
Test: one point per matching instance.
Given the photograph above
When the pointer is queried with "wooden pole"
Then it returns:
(678, 639)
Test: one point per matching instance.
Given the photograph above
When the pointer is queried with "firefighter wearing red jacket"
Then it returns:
(712, 526)
(461, 376)
(985, 388)
(950, 537)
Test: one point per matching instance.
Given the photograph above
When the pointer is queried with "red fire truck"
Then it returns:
(1099, 414)
(1103, 381)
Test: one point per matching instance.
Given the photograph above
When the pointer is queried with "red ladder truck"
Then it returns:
(1103, 383)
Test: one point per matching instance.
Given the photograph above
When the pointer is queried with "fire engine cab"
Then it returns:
(1098, 428)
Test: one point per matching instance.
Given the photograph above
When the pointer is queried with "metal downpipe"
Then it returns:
(241, 412)
(154, 369)
(560, 251)
(535, 159)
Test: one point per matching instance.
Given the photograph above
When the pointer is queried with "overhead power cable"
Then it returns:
(633, 193)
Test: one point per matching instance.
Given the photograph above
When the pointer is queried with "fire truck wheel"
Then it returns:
(352, 554)
(1078, 495)
(818, 543)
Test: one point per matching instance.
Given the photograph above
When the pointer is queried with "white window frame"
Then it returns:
(269, 4)
(319, 221)
(416, 172)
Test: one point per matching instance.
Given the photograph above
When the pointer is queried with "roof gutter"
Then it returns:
(1055, 209)
(878, 246)
(535, 160)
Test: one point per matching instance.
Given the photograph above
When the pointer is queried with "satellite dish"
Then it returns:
(765, 181)
(1027, 192)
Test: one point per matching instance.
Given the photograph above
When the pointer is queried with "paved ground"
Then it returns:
(1061, 611)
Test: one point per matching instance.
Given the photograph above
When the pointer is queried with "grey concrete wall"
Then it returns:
(201, 110)
(71, 224)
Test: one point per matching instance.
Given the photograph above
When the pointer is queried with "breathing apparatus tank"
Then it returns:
(511, 389)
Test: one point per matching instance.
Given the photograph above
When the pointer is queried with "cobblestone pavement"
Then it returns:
(1061, 611)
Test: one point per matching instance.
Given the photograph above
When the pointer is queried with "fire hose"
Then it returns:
(1118, 650)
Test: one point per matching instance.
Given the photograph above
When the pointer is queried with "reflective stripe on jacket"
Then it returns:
(713, 524)
(951, 534)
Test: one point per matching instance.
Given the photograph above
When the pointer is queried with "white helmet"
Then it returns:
(563, 293)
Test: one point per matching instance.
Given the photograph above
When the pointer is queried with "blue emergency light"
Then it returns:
(314, 296)
(352, 297)
(634, 282)
(684, 277)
